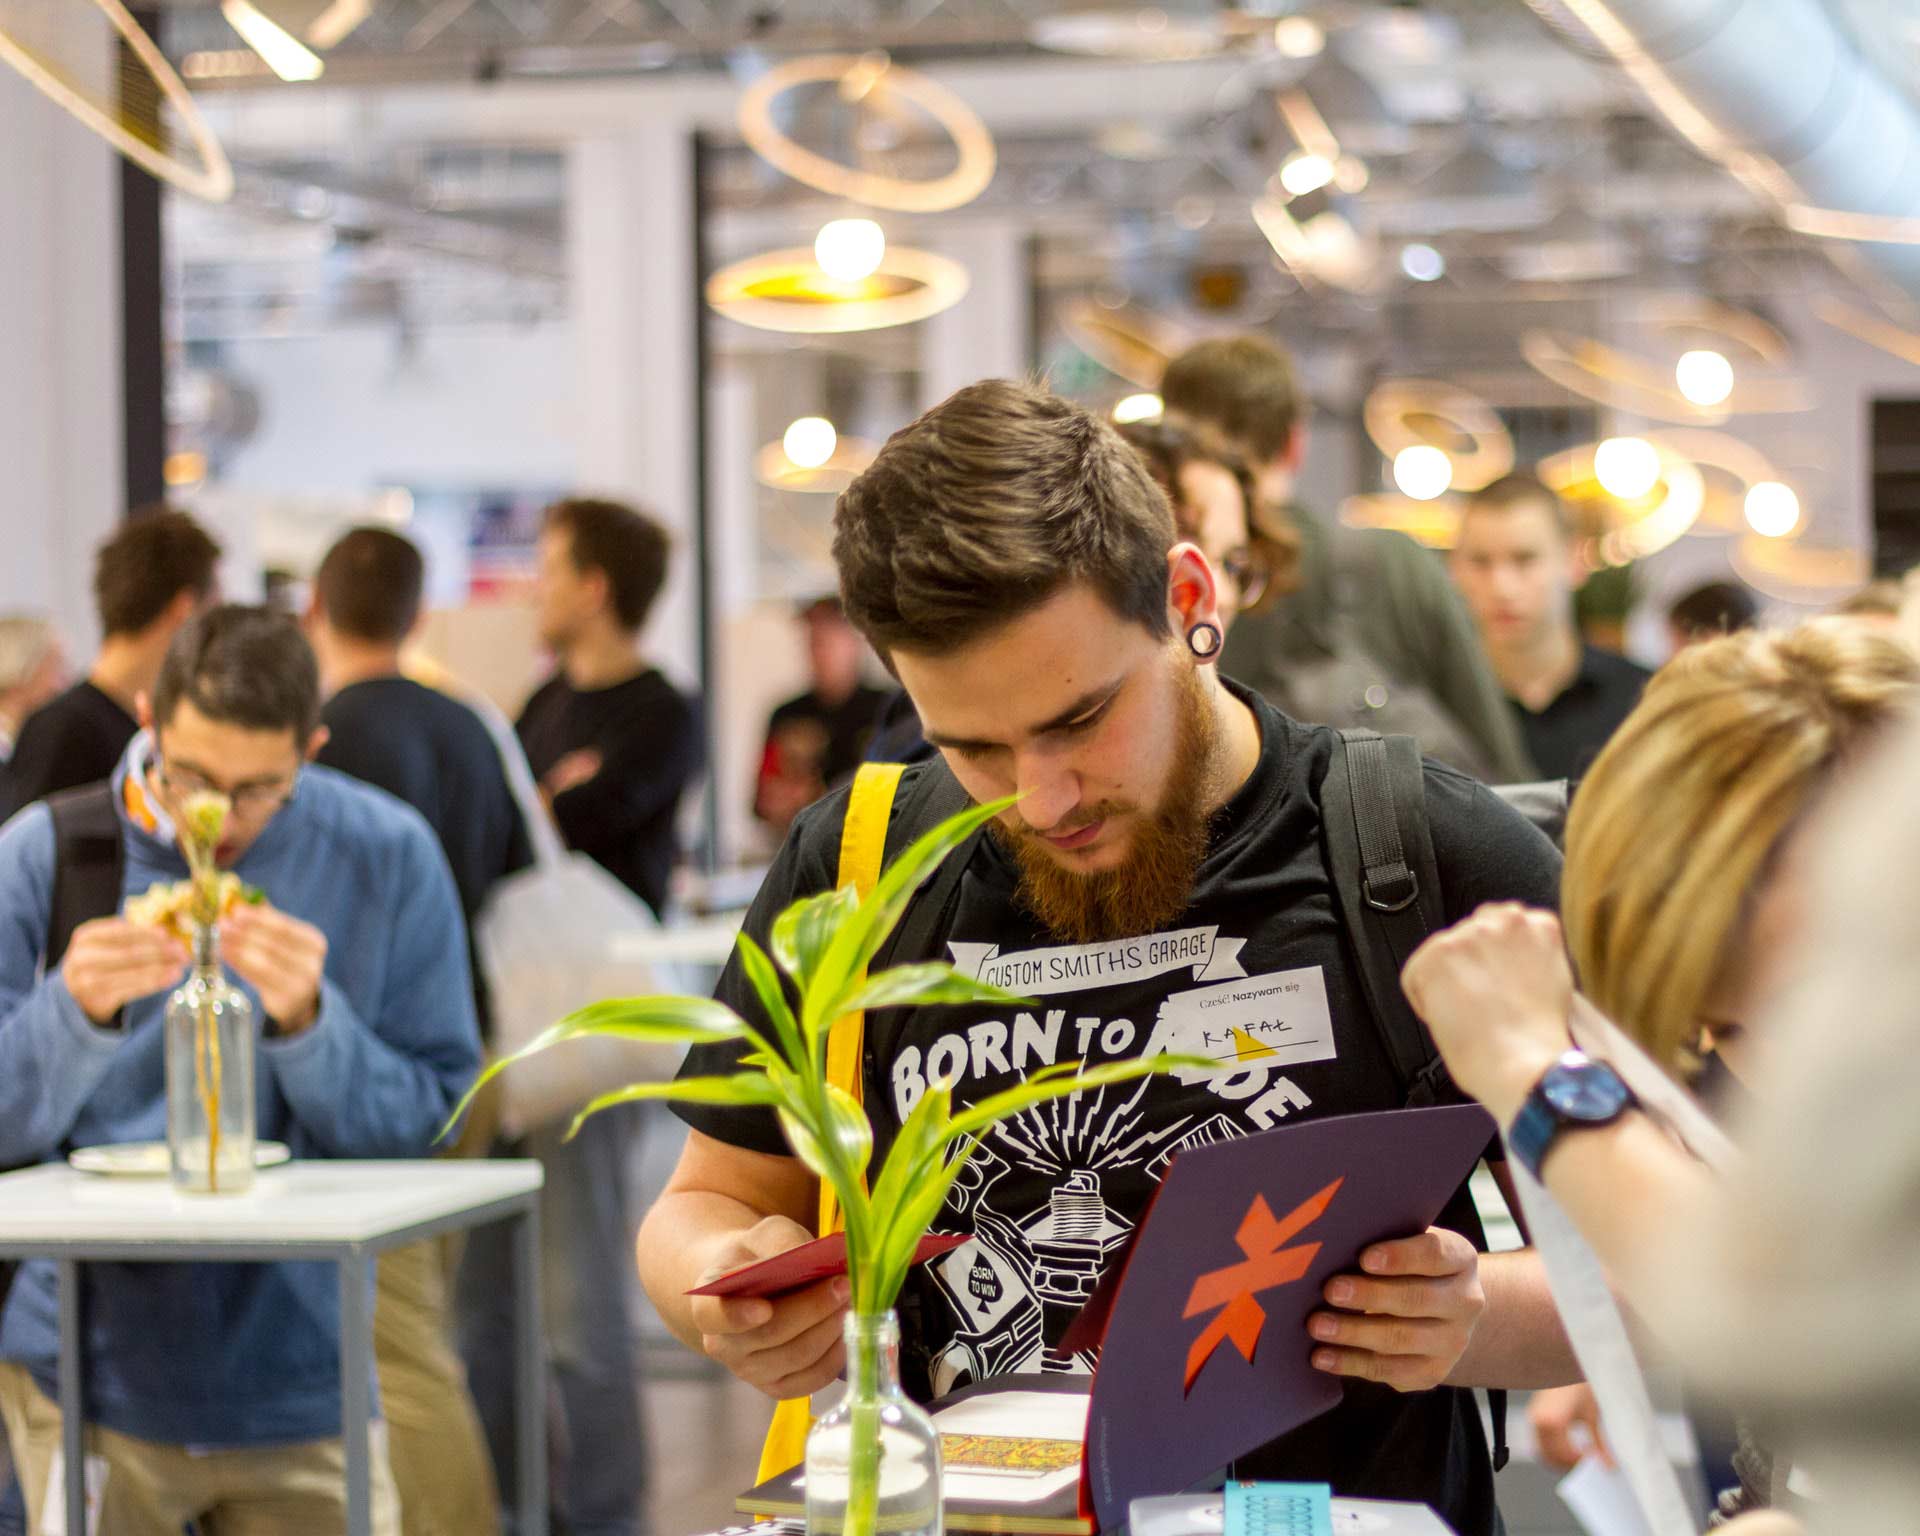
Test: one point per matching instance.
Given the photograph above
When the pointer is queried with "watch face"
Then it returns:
(1588, 1091)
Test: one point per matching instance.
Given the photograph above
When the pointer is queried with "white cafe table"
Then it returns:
(343, 1212)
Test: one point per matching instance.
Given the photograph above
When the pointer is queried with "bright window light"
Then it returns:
(810, 442)
(850, 250)
(283, 53)
(1627, 467)
(1423, 471)
(1772, 509)
(1705, 377)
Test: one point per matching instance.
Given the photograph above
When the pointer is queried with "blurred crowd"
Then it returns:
(1735, 895)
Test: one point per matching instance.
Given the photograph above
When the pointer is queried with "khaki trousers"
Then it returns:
(155, 1490)
(440, 1460)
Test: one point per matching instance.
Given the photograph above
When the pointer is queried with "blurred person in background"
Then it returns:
(1710, 610)
(613, 744)
(1513, 560)
(33, 668)
(157, 572)
(433, 752)
(1880, 601)
(1371, 615)
(814, 742)
(358, 975)
(1685, 887)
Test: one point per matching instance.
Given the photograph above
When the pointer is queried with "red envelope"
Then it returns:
(821, 1259)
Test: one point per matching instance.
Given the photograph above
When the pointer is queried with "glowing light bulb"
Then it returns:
(1423, 263)
(810, 442)
(1627, 467)
(850, 249)
(1705, 377)
(1772, 509)
(1303, 173)
(1299, 37)
(1423, 471)
(1138, 408)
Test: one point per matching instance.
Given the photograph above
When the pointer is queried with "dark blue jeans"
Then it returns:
(586, 1239)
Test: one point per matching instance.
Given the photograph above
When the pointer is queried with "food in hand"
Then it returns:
(168, 904)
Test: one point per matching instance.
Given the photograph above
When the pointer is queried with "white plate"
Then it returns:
(148, 1159)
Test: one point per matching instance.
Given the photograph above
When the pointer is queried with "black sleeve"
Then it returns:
(648, 771)
(808, 863)
(1486, 850)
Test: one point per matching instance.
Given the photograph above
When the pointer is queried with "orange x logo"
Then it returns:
(1267, 1265)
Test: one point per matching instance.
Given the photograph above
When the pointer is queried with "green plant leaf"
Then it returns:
(858, 939)
(647, 1020)
(916, 1155)
(991, 1111)
(773, 996)
(934, 982)
(743, 1088)
(802, 933)
(851, 1137)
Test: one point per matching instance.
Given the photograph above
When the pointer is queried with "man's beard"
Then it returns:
(1154, 883)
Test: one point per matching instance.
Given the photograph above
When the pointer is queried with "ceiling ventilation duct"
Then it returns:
(1775, 92)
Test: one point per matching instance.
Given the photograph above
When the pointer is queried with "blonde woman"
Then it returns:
(1682, 892)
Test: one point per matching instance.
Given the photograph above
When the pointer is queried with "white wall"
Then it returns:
(60, 378)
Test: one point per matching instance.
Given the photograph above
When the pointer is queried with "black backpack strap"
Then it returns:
(1373, 805)
(89, 864)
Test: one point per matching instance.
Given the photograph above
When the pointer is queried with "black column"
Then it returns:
(144, 371)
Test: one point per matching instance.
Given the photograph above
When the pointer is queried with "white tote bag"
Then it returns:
(547, 941)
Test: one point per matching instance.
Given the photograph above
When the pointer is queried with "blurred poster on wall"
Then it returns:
(481, 542)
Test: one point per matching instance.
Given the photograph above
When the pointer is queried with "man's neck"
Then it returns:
(128, 666)
(346, 662)
(1539, 671)
(601, 658)
(1238, 733)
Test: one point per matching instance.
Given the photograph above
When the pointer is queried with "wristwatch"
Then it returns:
(1575, 1092)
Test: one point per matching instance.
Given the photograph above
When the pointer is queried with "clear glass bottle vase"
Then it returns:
(210, 1124)
(873, 1460)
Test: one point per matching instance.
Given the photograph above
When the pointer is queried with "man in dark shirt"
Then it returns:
(1513, 559)
(815, 741)
(613, 744)
(1010, 558)
(149, 579)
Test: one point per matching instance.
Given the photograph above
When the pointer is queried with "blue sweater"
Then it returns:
(237, 1354)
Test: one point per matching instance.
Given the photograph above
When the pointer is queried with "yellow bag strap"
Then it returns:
(863, 847)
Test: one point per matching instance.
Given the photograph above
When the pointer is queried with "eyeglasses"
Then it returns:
(1248, 568)
(249, 800)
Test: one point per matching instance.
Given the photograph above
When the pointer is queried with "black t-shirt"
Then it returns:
(436, 754)
(1263, 907)
(808, 737)
(1564, 738)
(649, 739)
(75, 738)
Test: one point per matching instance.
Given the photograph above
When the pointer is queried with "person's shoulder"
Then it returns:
(1486, 849)
(802, 706)
(26, 842)
(543, 697)
(1612, 667)
(356, 813)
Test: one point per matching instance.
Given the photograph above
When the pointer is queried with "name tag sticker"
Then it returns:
(1280, 1019)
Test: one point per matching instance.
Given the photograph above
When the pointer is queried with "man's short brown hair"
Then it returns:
(625, 545)
(156, 555)
(369, 585)
(987, 506)
(1517, 490)
(1243, 386)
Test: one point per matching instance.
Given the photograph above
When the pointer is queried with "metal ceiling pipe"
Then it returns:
(1778, 93)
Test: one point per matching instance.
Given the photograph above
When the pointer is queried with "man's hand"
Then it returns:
(282, 958)
(573, 770)
(1566, 1424)
(789, 1346)
(111, 962)
(1407, 1321)
(1495, 990)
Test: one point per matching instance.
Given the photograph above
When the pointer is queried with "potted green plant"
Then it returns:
(873, 1462)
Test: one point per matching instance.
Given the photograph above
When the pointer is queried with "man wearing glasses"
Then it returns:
(356, 962)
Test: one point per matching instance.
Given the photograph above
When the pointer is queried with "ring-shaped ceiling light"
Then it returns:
(1433, 523)
(1729, 467)
(1863, 325)
(1131, 343)
(1795, 572)
(1409, 413)
(851, 455)
(870, 78)
(1612, 377)
(1612, 532)
(208, 175)
(787, 291)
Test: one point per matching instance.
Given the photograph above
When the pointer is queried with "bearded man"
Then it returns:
(1011, 561)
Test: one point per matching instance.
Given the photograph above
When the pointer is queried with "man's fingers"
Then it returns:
(1409, 1297)
(799, 1313)
(729, 1314)
(772, 1236)
(1436, 1252)
(1404, 1373)
(806, 1383)
(799, 1356)
(1424, 1336)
